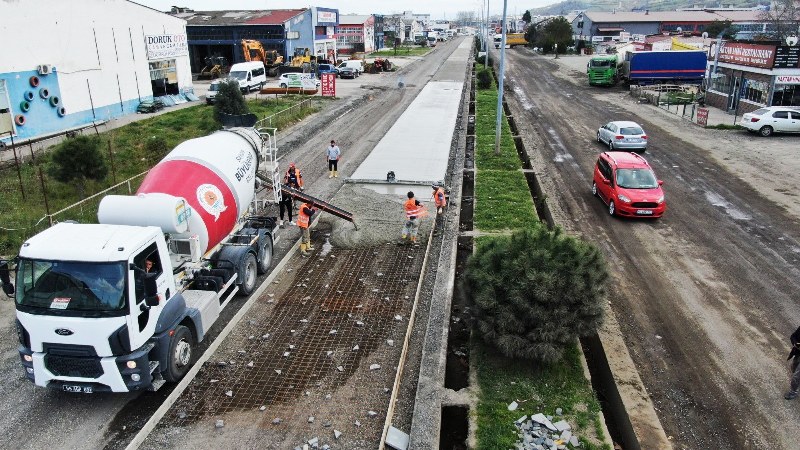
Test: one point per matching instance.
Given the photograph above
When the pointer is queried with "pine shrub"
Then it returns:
(535, 292)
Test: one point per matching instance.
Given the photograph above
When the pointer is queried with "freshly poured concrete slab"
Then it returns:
(417, 147)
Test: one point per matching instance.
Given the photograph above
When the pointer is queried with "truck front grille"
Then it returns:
(67, 366)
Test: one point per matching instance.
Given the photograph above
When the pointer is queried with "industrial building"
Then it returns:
(67, 65)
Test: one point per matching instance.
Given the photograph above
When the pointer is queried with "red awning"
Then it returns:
(610, 29)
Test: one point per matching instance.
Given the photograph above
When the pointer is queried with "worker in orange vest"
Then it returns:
(414, 211)
(306, 212)
(293, 177)
(439, 197)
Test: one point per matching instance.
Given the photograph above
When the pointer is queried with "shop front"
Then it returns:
(751, 76)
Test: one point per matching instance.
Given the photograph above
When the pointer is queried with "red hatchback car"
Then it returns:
(627, 184)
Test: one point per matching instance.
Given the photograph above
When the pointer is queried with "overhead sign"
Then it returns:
(166, 46)
(787, 57)
(752, 55)
(787, 79)
(328, 84)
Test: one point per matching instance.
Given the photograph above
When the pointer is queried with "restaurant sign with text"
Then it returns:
(752, 55)
(166, 46)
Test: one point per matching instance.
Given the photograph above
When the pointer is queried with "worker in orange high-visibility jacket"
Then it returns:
(439, 198)
(306, 212)
(414, 211)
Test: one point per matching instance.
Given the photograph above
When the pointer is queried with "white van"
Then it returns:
(357, 64)
(249, 75)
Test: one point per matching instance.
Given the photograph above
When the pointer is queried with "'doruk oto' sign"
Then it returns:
(166, 46)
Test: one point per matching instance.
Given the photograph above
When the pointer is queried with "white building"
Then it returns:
(67, 64)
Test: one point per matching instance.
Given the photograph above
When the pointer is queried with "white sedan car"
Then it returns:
(623, 135)
(765, 121)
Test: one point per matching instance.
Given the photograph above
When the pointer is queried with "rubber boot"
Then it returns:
(309, 247)
(330, 175)
(303, 249)
(336, 173)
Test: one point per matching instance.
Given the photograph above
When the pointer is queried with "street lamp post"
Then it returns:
(500, 83)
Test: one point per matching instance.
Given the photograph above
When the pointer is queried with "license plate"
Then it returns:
(644, 212)
(79, 389)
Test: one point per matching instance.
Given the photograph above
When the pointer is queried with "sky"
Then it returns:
(438, 9)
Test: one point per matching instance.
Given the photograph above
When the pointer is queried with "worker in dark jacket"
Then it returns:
(794, 355)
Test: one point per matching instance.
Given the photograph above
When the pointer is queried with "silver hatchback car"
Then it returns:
(623, 135)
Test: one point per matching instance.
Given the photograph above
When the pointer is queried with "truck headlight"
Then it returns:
(29, 369)
(28, 358)
(131, 364)
(135, 377)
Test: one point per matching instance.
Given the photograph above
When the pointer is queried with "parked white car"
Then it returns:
(773, 119)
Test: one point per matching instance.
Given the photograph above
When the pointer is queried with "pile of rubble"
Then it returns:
(539, 433)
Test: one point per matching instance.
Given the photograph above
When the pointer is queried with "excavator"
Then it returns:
(254, 51)
(301, 62)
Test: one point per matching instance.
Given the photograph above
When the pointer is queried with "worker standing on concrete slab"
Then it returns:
(414, 211)
(332, 155)
(439, 198)
(306, 212)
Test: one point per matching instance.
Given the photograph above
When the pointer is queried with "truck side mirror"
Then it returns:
(5, 278)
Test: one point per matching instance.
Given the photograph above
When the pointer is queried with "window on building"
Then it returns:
(755, 91)
(786, 95)
(721, 82)
(163, 77)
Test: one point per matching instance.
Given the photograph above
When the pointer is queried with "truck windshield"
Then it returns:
(66, 285)
(600, 63)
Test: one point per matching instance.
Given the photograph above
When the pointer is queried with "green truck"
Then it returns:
(603, 70)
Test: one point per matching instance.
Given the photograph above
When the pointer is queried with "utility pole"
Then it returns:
(486, 56)
(500, 83)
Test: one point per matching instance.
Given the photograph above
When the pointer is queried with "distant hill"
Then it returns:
(634, 5)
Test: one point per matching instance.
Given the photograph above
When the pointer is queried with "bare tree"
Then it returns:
(783, 20)
(464, 18)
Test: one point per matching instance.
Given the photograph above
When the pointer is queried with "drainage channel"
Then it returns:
(454, 431)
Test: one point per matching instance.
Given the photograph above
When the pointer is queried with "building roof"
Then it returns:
(353, 19)
(672, 16)
(239, 17)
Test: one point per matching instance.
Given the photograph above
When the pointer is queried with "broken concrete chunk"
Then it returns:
(329, 353)
(313, 442)
(390, 342)
(398, 317)
(310, 420)
(340, 368)
(559, 411)
(521, 419)
(286, 354)
(562, 425)
(565, 435)
(276, 420)
(213, 380)
(396, 439)
(513, 406)
(278, 371)
(250, 364)
(327, 396)
(262, 408)
(359, 323)
(573, 441)
(374, 366)
(355, 349)
(372, 413)
(541, 419)
(229, 393)
(357, 423)
(326, 424)
(332, 332)
(337, 434)
(220, 423)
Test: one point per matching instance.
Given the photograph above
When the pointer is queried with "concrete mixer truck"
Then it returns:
(119, 306)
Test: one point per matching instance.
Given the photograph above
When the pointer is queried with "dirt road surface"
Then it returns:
(705, 296)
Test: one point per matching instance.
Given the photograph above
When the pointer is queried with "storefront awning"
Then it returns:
(602, 30)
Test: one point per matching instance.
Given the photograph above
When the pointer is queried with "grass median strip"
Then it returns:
(503, 201)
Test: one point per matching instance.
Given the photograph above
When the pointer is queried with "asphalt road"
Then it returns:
(32, 417)
(705, 296)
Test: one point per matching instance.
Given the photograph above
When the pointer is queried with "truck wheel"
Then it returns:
(249, 273)
(266, 256)
(181, 352)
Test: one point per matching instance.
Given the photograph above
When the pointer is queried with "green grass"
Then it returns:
(401, 51)
(503, 202)
(537, 390)
(126, 145)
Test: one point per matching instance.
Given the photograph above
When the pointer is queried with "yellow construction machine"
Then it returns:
(254, 51)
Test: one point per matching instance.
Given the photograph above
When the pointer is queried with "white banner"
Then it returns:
(787, 79)
(166, 46)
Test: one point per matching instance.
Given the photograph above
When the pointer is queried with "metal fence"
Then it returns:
(679, 100)
(288, 116)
